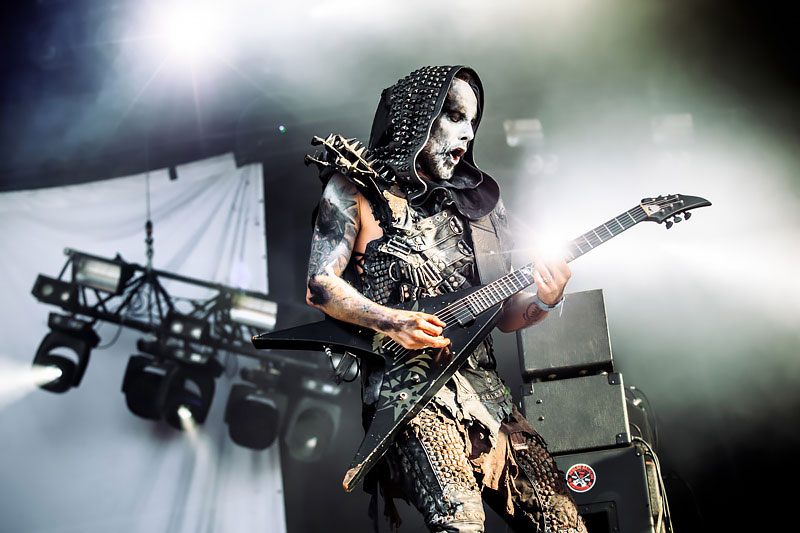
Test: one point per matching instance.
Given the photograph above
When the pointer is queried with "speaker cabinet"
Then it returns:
(579, 413)
(575, 343)
(612, 491)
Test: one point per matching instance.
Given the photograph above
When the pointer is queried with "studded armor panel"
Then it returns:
(430, 256)
(437, 475)
(555, 511)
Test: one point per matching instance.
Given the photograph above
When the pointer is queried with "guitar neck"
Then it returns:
(510, 284)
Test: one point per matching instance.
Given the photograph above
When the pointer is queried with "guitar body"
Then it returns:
(411, 377)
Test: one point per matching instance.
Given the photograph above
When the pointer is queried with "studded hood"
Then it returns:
(401, 128)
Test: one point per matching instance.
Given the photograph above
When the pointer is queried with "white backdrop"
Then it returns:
(81, 461)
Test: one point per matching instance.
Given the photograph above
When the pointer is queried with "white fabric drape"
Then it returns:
(81, 461)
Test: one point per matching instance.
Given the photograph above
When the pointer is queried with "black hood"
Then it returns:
(401, 128)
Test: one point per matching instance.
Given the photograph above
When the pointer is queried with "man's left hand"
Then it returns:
(551, 276)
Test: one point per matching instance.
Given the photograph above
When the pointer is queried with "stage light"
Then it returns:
(192, 31)
(254, 409)
(253, 416)
(186, 327)
(320, 387)
(143, 380)
(100, 274)
(253, 311)
(66, 348)
(55, 291)
(311, 428)
(160, 387)
(314, 421)
(186, 394)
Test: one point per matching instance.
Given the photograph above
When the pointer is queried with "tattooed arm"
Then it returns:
(336, 230)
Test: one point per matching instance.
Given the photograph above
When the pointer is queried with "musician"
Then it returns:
(433, 224)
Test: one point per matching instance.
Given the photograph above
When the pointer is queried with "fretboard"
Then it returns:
(510, 284)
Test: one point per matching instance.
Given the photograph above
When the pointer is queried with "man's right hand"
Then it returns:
(415, 330)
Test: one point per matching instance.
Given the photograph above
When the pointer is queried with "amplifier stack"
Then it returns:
(598, 435)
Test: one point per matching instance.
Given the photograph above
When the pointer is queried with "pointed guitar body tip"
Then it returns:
(348, 485)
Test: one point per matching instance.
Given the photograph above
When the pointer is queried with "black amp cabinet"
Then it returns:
(616, 490)
(578, 414)
(575, 343)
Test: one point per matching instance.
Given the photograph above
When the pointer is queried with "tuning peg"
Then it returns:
(687, 215)
(676, 218)
(669, 224)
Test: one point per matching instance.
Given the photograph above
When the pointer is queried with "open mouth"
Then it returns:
(456, 154)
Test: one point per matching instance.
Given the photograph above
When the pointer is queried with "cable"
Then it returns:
(661, 487)
(112, 341)
(648, 411)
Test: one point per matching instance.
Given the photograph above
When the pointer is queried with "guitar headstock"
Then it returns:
(347, 156)
(671, 206)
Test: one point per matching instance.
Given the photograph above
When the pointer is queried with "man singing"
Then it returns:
(432, 225)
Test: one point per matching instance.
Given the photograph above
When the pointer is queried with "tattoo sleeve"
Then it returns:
(335, 230)
(332, 242)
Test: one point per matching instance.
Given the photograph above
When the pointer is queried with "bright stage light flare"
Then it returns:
(187, 421)
(191, 31)
(547, 247)
(184, 413)
(18, 379)
(45, 374)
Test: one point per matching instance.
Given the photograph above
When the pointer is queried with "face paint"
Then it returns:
(451, 132)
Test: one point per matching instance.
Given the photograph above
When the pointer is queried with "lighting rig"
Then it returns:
(173, 375)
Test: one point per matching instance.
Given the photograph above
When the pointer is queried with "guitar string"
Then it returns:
(453, 309)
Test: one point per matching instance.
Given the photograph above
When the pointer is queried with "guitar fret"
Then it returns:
(629, 214)
(501, 288)
(508, 283)
(481, 299)
(496, 294)
(517, 282)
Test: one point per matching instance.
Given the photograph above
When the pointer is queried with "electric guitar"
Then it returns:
(412, 377)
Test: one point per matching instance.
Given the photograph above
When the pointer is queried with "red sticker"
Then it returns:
(581, 477)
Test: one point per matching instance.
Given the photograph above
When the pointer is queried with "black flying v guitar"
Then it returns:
(413, 377)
